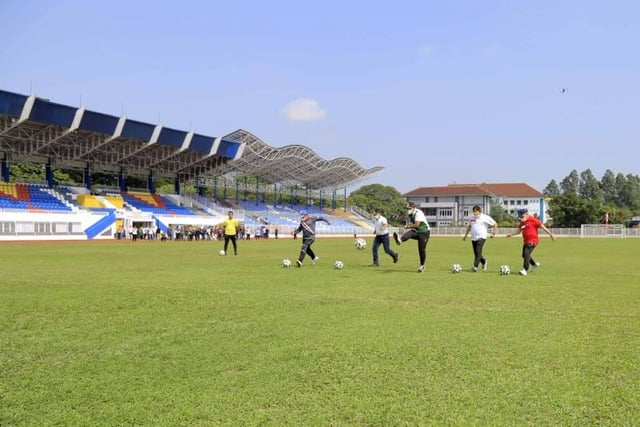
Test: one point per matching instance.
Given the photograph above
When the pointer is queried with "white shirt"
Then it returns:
(480, 226)
(380, 225)
(419, 217)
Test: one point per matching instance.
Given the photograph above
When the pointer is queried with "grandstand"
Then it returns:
(33, 198)
(38, 131)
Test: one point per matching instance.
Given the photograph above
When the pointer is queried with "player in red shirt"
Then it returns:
(529, 226)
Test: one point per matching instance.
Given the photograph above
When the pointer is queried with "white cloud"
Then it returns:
(304, 110)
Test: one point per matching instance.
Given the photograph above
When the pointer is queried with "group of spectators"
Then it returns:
(178, 233)
(189, 232)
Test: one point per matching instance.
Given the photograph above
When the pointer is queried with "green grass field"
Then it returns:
(172, 334)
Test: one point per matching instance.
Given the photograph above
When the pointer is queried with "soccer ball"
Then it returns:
(286, 263)
(222, 252)
(338, 265)
(360, 244)
(504, 270)
(456, 268)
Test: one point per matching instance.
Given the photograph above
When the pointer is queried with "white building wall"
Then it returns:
(32, 226)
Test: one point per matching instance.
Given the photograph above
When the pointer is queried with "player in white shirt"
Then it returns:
(479, 224)
(382, 237)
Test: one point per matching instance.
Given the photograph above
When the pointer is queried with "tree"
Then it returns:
(634, 196)
(551, 189)
(501, 216)
(30, 172)
(608, 186)
(621, 185)
(629, 191)
(571, 211)
(387, 198)
(589, 186)
(570, 183)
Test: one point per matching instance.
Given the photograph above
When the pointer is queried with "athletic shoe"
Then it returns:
(299, 263)
(523, 272)
(474, 269)
(395, 258)
(485, 267)
(421, 269)
(534, 266)
(313, 261)
(395, 238)
(373, 265)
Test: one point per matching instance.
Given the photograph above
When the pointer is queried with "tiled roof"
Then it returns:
(504, 190)
(516, 189)
(457, 190)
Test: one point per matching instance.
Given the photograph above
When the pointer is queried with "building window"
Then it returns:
(446, 213)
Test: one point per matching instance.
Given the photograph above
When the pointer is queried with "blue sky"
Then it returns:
(435, 92)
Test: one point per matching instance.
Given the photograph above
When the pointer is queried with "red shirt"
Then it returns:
(529, 229)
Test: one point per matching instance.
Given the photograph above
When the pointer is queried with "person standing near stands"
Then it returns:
(529, 226)
(417, 228)
(230, 226)
(308, 228)
(381, 238)
(479, 224)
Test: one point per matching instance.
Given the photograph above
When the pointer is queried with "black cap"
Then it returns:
(522, 212)
(476, 208)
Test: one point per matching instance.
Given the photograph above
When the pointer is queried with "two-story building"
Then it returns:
(452, 204)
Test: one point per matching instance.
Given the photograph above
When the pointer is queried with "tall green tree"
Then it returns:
(551, 189)
(629, 192)
(589, 186)
(621, 189)
(501, 216)
(387, 198)
(571, 211)
(569, 185)
(608, 186)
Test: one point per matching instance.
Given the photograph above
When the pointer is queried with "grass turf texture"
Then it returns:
(167, 333)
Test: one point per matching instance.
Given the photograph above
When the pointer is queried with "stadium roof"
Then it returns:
(33, 129)
(293, 163)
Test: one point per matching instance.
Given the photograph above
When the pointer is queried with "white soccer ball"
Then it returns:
(504, 270)
(286, 263)
(222, 252)
(360, 244)
(338, 265)
(456, 268)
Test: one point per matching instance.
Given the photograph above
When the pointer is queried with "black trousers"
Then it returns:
(526, 255)
(477, 252)
(305, 249)
(233, 241)
(422, 238)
